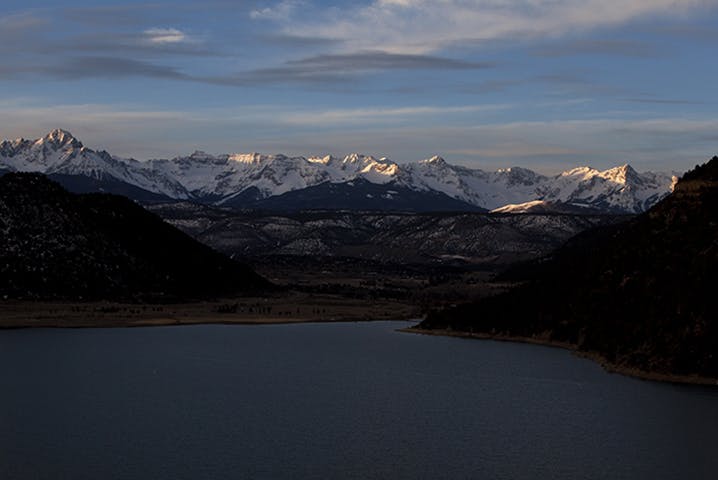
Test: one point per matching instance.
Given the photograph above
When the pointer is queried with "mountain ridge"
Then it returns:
(227, 179)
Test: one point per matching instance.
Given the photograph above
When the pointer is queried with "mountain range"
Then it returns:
(355, 182)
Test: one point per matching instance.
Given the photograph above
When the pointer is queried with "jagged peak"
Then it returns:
(201, 155)
(435, 160)
(60, 137)
(325, 160)
(621, 174)
(622, 168)
(355, 157)
(358, 158)
(59, 134)
(583, 170)
(253, 157)
(516, 170)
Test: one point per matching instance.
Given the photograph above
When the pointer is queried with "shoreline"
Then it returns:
(594, 356)
(169, 322)
(324, 309)
(295, 308)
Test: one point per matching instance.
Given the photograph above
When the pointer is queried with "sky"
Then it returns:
(543, 84)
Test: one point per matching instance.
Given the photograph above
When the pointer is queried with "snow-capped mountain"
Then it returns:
(60, 154)
(247, 180)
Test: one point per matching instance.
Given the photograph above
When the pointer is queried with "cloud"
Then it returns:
(426, 26)
(296, 41)
(96, 67)
(664, 144)
(626, 48)
(20, 23)
(511, 150)
(331, 68)
(351, 116)
(379, 60)
(662, 101)
(139, 44)
(39, 32)
(130, 14)
(21, 31)
(316, 70)
(282, 11)
(692, 32)
(162, 36)
(80, 67)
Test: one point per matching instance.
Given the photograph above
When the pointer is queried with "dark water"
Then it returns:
(334, 401)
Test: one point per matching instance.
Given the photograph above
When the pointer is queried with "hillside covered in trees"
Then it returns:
(640, 294)
(59, 245)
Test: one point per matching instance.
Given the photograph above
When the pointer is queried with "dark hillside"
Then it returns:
(640, 294)
(58, 245)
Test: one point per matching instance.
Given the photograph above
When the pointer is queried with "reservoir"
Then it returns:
(343, 400)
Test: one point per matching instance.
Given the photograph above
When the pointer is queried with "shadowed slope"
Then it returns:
(641, 294)
(54, 244)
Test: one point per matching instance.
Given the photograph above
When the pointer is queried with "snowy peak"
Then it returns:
(247, 158)
(46, 153)
(624, 175)
(435, 160)
(515, 176)
(618, 189)
(200, 156)
(579, 172)
(229, 178)
(325, 160)
(59, 138)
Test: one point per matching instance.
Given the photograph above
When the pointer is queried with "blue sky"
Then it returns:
(545, 84)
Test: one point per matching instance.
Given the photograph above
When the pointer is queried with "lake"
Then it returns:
(346, 400)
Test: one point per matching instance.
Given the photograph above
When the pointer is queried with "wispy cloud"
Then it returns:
(693, 32)
(95, 67)
(379, 60)
(353, 116)
(330, 68)
(425, 26)
(127, 15)
(513, 151)
(281, 11)
(628, 48)
(21, 31)
(141, 44)
(162, 36)
(20, 22)
(663, 101)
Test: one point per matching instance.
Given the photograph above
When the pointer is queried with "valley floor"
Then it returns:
(290, 308)
(317, 290)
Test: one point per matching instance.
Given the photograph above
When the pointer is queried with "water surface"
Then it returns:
(334, 401)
